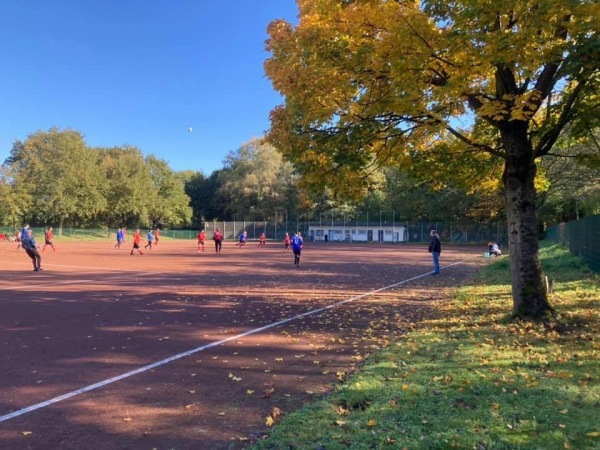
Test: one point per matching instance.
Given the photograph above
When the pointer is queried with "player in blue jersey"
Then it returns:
(31, 247)
(297, 242)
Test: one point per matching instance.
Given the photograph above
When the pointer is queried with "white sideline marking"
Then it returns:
(162, 362)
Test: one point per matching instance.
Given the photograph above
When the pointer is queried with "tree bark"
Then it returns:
(530, 299)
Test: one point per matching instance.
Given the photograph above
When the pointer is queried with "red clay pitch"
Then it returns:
(96, 313)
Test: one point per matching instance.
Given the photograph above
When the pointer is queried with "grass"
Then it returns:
(472, 379)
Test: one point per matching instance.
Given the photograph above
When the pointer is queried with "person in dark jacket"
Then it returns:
(31, 248)
(435, 248)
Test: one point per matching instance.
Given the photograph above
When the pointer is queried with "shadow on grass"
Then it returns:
(467, 379)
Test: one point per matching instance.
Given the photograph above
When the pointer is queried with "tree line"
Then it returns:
(55, 178)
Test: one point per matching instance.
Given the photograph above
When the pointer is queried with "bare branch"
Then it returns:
(549, 138)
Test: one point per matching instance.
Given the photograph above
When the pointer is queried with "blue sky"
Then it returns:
(139, 73)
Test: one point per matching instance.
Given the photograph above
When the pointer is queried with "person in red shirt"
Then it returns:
(49, 239)
(286, 242)
(201, 239)
(262, 240)
(156, 236)
(136, 242)
(218, 238)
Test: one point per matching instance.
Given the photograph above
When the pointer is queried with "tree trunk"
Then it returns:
(528, 288)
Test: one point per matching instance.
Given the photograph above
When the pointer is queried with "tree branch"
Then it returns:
(469, 142)
(549, 138)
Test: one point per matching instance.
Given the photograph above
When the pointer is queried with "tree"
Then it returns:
(128, 186)
(573, 189)
(202, 191)
(61, 175)
(16, 200)
(453, 86)
(255, 181)
(169, 204)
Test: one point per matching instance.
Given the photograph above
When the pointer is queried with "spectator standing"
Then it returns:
(435, 248)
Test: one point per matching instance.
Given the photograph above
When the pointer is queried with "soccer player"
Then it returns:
(119, 238)
(286, 242)
(23, 235)
(31, 248)
(49, 239)
(201, 239)
(297, 242)
(262, 240)
(136, 242)
(243, 239)
(149, 238)
(156, 236)
(218, 238)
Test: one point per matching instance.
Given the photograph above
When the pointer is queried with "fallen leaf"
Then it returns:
(269, 421)
(276, 412)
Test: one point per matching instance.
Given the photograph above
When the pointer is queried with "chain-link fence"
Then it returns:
(451, 232)
(581, 237)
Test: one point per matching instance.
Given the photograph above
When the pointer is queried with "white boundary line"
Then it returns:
(162, 362)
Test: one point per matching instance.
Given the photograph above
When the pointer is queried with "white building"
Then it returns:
(366, 233)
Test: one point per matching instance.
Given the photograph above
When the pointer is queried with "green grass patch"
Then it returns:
(470, 379)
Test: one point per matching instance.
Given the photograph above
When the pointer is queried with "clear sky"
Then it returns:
(139, 72)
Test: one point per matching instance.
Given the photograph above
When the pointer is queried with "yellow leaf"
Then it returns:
(221, 414)
(594, 434)
(27, 433)
(269, 422)
(372, 423)
(192, 391)
(564, 411)
(249, 392)
(279, 359)
(562, 425)
(405, 387)
(127, 419)
(236, 379)
(340, 423)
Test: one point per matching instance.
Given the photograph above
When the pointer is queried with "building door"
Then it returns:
(370, 236)
(380, 235)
